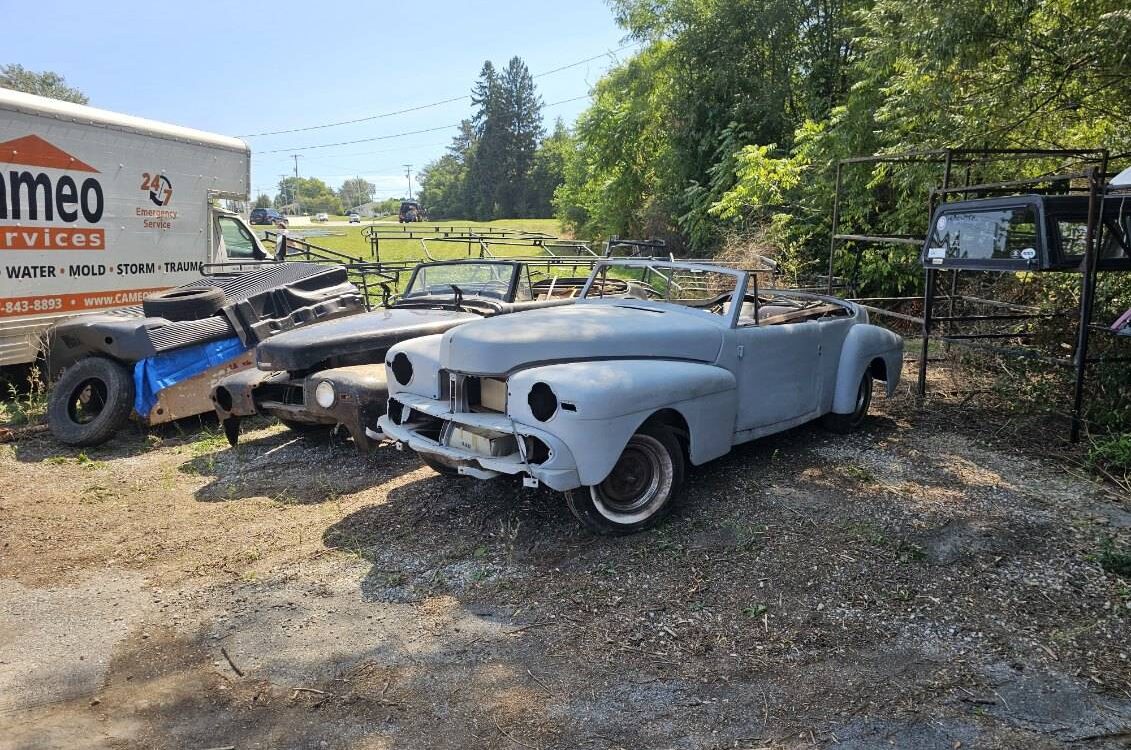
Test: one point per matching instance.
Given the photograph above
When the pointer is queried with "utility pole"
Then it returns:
(296, 157)
(408, 174)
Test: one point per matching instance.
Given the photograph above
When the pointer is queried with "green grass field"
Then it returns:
(349, 239)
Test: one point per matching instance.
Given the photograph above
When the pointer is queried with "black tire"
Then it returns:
(639, 490)
(436, 466)
(185, 304)
(842, 424)
(90, 402)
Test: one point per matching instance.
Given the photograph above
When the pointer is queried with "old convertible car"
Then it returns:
(333, 374)
(607, 400)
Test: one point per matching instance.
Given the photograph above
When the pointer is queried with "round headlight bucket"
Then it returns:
(543, 402)
(324, 394)
(402, 368)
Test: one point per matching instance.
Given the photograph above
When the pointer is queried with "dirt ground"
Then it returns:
(920, 584)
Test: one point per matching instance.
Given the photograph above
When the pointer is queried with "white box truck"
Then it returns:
(98, 210)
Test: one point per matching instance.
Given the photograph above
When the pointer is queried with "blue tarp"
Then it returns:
(160, 371)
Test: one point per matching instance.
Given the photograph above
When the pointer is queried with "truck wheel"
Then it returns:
(639, 490)
(90, 402)
(184, 304)
(845, 423)
(436, 466)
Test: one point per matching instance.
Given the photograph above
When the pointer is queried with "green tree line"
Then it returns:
(734, 112)
(500, 164)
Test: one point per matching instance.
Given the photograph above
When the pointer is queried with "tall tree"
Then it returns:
(522, 108)
(485, 168)
(19, 78)
(356, 191)
(262, 201)
(548, 171)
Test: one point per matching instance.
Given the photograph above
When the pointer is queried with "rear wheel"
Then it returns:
(639, 490)
(90, 402)
(846, 423)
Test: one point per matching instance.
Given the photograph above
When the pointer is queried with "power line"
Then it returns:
(430, 105)
(398, 135)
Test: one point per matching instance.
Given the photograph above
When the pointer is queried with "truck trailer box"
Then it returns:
(98, 210)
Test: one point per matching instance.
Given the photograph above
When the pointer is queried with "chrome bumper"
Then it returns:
(557, 472)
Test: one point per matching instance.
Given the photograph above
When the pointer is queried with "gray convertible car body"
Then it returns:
(608, 399)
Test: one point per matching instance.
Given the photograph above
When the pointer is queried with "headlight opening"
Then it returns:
(324, 394)
(543, 403)
(402, 368)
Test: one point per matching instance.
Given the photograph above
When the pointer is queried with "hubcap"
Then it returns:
(638, 483)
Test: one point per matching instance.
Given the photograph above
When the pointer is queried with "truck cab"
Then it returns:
(233, 241)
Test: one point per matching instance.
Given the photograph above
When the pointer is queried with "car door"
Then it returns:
(778, 374)
(236, 243)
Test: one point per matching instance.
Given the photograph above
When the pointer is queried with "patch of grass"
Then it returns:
(25, 405)
(87, 462)
(755, 611)
(1115, 559)
(866, 532)
(209, 443)
(859, 473)
(350, 240)
(908, 552)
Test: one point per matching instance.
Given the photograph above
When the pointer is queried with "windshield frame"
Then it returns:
(515, 271)
(738, 296)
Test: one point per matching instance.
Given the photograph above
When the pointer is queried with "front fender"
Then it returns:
(601, 404)
(424, 354)
(863, 345)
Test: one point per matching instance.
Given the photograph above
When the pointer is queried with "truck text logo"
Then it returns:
(35, 196)
(159, 188)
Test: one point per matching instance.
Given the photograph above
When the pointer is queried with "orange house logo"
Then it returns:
(35, 196)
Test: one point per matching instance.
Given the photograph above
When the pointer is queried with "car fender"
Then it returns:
(863, 345)
(602, 403)
(424, 354)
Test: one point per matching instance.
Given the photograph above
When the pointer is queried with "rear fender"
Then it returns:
(601, 404)
(864, 346)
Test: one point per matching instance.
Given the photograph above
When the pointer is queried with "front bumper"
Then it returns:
(558, 471)
(360, 397)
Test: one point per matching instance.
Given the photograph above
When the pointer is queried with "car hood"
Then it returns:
(495, 346)
(360, 338)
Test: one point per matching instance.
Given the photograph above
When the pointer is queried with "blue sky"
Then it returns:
(243, 68)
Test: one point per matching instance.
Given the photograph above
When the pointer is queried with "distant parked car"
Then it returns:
(321, 216)
(355, 218)
(266, 216)
(609, 399)
(411, 211)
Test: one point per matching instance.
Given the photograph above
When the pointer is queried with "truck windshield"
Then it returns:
(473, 280)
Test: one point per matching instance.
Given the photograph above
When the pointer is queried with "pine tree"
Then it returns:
(522, 108)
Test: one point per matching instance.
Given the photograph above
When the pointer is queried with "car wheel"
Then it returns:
(639, 490)
(438, 467)
(846, 423)
(90, 402)
(195, 303)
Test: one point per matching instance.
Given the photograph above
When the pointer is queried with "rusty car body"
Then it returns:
(333, 376)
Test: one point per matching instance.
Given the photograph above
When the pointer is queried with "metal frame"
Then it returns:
(1091, 166)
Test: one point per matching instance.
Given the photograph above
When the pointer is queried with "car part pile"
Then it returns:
(158, 360)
